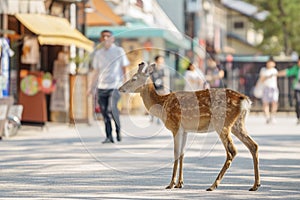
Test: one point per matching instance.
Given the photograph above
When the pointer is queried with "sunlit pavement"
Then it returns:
(70, 162)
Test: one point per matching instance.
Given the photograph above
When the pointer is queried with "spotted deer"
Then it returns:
(216, 109)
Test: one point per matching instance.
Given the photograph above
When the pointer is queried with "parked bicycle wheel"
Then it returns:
(12, 126)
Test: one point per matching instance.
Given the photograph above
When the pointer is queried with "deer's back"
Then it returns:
(203, 110)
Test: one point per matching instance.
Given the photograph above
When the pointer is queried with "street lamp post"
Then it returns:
(204, 30)
(208, 22)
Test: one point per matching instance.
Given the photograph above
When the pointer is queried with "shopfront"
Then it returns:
(41, 65)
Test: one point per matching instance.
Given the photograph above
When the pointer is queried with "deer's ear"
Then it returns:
(150, 68)
(142, 67)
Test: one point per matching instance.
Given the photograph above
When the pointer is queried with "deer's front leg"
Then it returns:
(177, 151)
(183, 142)
(173, 179)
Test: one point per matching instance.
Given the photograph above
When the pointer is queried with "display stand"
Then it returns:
(60, 97)
(34, 107)
(79, 100)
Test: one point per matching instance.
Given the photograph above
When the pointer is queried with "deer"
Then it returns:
(216, 109)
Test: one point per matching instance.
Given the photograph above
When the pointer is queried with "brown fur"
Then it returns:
(221, 110)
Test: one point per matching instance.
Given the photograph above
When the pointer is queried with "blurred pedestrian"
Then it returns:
(268, 77)
(214, 73)
(159, 78)
(109, 64)
(294, 71)
(194, 79)
(185, 61)
(159, 75)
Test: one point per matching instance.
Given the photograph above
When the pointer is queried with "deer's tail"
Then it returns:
(246, 104)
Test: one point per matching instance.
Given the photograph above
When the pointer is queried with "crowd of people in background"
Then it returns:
(197, 77)
(268, 78)
(214, 77)
(108, 76)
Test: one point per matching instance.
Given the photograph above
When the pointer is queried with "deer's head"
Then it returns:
(138, 80)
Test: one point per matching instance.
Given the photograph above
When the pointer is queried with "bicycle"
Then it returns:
(13, 120)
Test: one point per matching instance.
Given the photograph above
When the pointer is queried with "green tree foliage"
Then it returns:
(282, 27)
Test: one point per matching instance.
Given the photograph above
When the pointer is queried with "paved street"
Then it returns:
(68, 162)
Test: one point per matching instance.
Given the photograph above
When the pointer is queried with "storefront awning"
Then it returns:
(53, 30)
(100, 14)
(141, 31)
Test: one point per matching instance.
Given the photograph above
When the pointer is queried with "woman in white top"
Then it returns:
(268, 76)
(194, 79)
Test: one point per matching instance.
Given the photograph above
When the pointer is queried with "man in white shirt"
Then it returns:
(109, 64)
(268, 76)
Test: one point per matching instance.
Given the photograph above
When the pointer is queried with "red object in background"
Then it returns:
(202, 42)
(47, 83)
(229, 58)
(148, 45)
(49, 89)
(96, 105)
(242, 81)
(97, 109)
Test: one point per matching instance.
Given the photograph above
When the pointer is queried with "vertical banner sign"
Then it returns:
(5, 53)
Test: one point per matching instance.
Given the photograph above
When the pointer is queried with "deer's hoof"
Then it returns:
(255, 187)
(212, 188)
(170, 186)
(179, 185)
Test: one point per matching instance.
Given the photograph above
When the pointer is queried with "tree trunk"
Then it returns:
(282, 16)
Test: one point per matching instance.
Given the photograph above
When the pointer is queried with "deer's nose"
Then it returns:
(121, 89)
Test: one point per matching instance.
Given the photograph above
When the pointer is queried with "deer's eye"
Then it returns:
(134, 78)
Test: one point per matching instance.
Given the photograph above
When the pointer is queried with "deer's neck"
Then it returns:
(152, 101)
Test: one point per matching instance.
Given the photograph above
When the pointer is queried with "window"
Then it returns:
(238, 25)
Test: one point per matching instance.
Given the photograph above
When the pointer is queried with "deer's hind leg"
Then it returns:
(179, 144)
(240, 132)
(230, 153)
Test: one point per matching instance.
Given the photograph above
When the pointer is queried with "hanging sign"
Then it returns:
(30, 85)
(47, 83)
